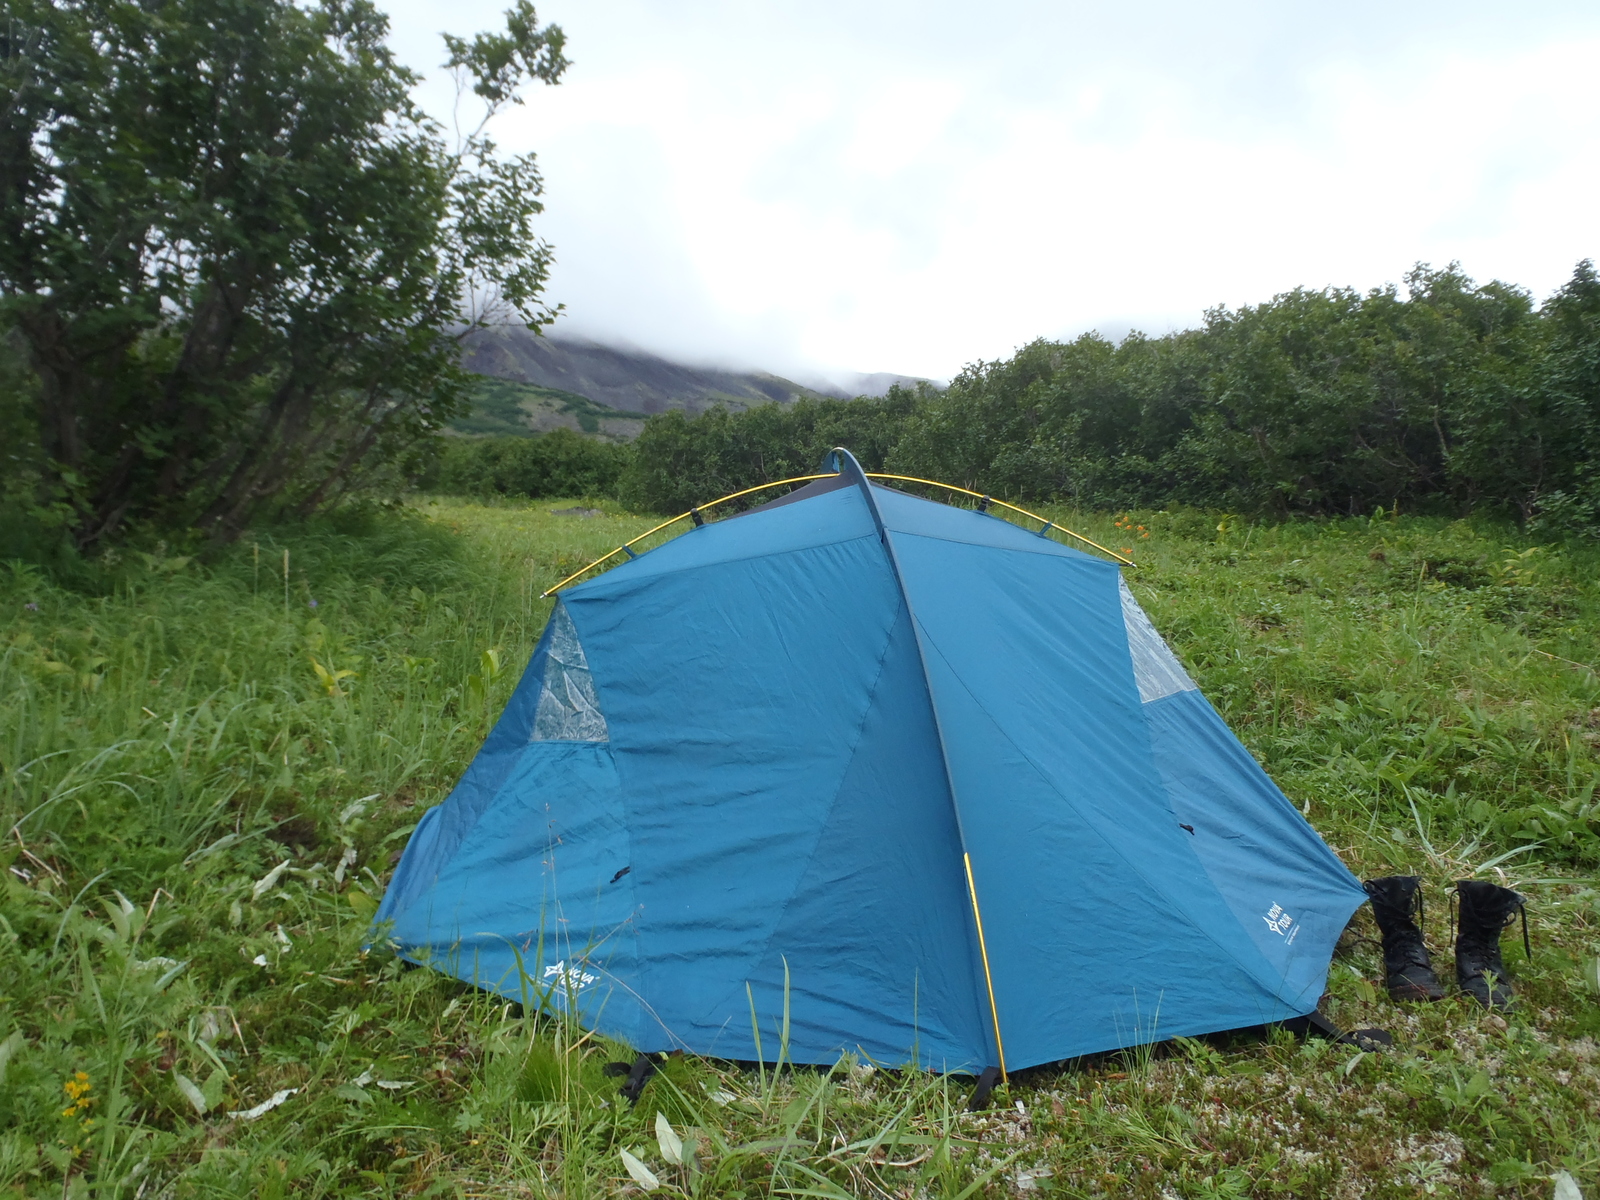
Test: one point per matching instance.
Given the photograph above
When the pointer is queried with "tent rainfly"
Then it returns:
(923, 783)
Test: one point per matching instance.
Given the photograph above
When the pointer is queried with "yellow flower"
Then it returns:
(77, 1089)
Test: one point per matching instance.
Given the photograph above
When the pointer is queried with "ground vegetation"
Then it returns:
(209, 766)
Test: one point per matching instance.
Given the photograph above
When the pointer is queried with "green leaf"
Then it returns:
(8, 1050)
(191, 1093)
(170, 974)
(215, 1087)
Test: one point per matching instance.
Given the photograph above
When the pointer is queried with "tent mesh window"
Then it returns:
(1156, 669)
(568, 709)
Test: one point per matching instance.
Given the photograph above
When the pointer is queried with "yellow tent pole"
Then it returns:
(681, 516)
(1046, 521)
(603, 557)
(775, 483)
(983, 952)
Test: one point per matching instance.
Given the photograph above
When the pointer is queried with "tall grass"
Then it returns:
(210, 767)
(1430, 689)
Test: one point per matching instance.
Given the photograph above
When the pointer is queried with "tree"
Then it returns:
(1337, 401)
(679, 462)
(1529, 431)
(558, 463)
(238, 258)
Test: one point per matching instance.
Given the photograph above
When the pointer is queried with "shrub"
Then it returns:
(559, 463)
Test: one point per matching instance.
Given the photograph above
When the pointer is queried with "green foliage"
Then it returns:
(1336, 402)
(239, 259)
(1558, 446)
(1452, 398)
(1086, 420)
(681, 461)
(1317, 402)
(199, 826)
(1418, 681)
(558, 463)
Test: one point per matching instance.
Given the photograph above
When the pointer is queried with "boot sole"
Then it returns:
(1415, 993)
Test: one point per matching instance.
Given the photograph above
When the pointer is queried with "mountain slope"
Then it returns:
(506, 406)
(629, 381)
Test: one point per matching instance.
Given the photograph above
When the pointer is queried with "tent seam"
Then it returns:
(1273, 989)
(846, 462)
(1048, 549)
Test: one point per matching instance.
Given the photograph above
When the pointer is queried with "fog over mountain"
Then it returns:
(635, 381)
(817, 187)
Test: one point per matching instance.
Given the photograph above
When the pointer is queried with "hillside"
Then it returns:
(625, 380)
(506, 406)
(536, 384)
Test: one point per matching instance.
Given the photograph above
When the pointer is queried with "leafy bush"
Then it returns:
(1451, 398)
(558, 463)
(681, 461)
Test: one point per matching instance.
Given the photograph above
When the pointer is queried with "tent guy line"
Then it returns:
(984, 501)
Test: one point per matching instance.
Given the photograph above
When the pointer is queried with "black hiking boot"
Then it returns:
(1397, 905)
(1486, 909)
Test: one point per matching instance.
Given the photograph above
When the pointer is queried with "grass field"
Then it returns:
(210, 767)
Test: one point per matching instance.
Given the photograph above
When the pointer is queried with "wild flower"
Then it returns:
(1126, 524)
(77, 1089)
(32, 606)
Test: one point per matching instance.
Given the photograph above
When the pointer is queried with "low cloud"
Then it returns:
(823, 189)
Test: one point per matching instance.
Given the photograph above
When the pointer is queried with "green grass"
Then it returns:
(207, 781)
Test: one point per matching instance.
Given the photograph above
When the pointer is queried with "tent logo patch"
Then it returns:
(1280, 922)
(573, 978)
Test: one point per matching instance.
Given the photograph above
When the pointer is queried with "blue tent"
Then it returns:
(922, 782)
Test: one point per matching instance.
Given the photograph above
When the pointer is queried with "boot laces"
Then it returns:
(1521, 910)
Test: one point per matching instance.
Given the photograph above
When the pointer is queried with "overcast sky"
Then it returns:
(829, 187)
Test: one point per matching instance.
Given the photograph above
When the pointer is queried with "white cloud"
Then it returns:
(909, 187)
